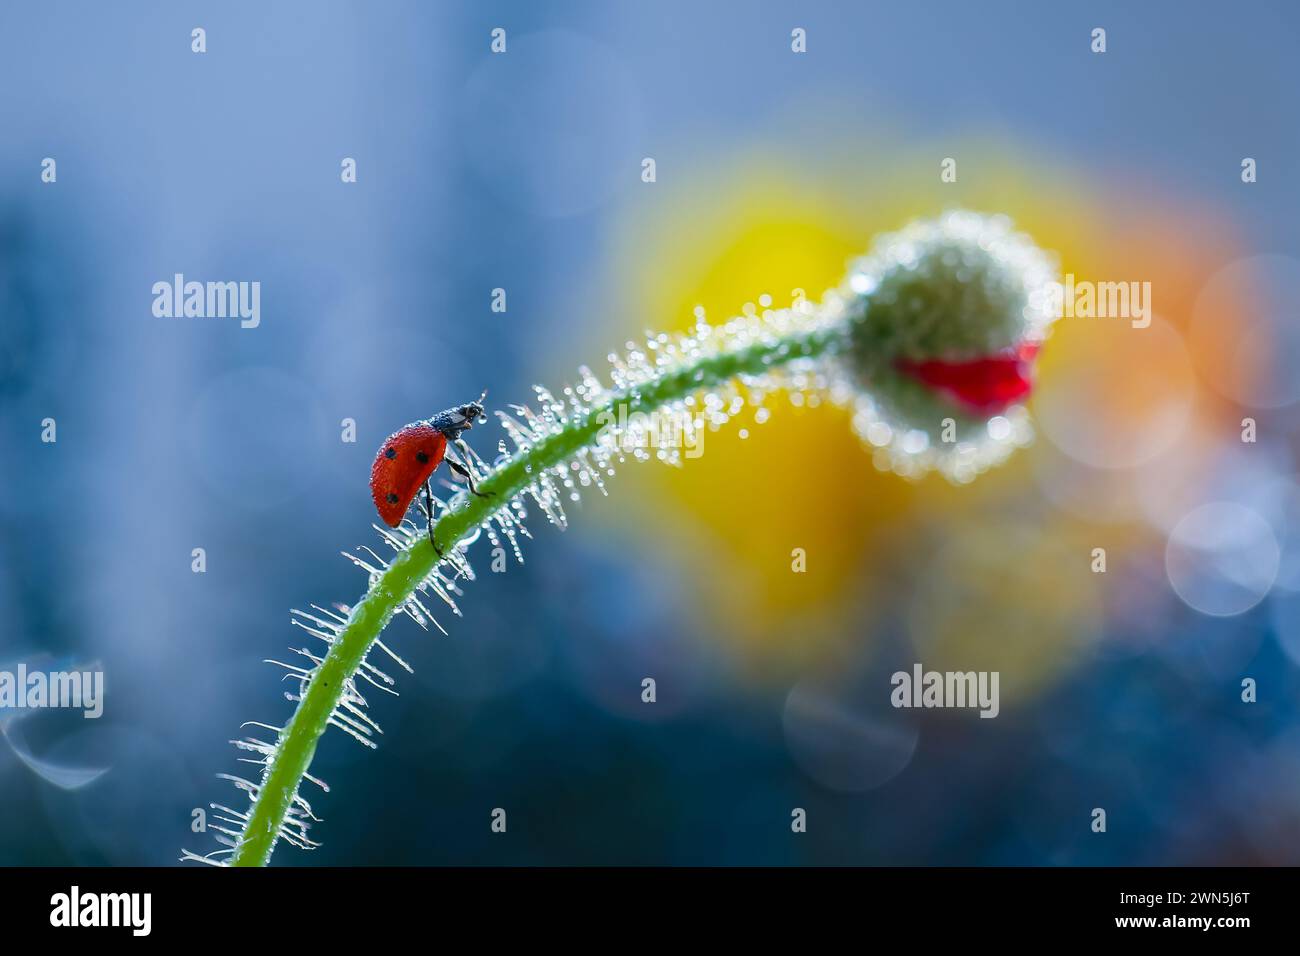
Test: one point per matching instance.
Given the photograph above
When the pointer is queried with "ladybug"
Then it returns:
(408, 457)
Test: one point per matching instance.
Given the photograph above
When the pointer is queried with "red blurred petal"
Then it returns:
(983, 386)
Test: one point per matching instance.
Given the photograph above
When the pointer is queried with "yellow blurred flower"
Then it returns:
(733, 518)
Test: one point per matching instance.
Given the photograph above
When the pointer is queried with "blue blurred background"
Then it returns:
(523, 171)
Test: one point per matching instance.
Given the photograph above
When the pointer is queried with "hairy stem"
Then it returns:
(297, 741)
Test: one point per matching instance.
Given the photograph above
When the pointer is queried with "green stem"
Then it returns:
(297, 741)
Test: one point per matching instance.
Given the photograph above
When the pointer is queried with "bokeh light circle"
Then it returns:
(1222, 558)
(843, 743)
(1124, 396)
(1246, 332)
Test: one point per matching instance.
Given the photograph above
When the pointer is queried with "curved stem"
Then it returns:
(297, 741)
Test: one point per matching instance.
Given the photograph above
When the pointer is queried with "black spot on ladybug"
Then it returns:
(392, 498)
(422, 457)
(390, 453)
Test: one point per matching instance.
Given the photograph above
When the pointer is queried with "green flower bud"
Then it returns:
(945, 317)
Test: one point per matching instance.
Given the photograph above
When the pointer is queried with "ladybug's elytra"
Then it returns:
(408, 457)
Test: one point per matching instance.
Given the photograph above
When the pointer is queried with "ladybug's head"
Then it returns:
(462, 418)
(473, 412)
(470, 414)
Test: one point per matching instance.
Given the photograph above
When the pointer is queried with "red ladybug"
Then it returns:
(407, 459)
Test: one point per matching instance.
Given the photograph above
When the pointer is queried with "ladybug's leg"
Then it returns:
(465, 473)
(428, 510)
(461, 470)
(466, 455)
